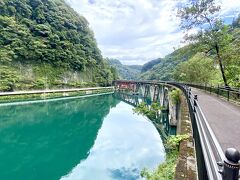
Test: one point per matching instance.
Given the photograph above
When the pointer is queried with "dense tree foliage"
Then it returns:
(199, 69)
(47, 33)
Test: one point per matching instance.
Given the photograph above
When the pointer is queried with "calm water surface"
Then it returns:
(92, 138)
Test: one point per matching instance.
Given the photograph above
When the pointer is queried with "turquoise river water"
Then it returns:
(87, 138)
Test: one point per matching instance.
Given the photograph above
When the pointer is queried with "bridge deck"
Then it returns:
(223, 117)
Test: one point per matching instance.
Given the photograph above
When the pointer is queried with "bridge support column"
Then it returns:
(137, 87)
(161, 95)
(173, 113)
(156, 93)
(141, 90)
(165, 97)
(152, 91)
(147, 91)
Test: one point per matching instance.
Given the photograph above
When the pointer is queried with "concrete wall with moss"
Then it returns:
(186, 167)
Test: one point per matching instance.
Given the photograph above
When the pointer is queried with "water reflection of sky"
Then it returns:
(125, 144)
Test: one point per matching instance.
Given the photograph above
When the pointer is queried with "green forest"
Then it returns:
(46, 44)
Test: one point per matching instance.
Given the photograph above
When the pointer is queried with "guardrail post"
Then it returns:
(189, 93)
(231, 165)
(228, 94)
(194, 103)
(195, 100)
(195, 96)
(218, 91)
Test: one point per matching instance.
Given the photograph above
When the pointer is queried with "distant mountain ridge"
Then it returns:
(164, 69)
(149, 65)
(157, 69)
(127, 72)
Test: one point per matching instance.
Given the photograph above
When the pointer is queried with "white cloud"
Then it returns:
(229, 7)
(136, 31)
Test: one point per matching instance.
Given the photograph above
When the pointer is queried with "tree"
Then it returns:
(212, 37)
(232, 53)
(199, 69)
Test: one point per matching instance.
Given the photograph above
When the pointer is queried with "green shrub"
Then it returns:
(175, 96)
(166, 170)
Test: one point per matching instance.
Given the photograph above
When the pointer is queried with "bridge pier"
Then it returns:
(174, 111)
(161, 95)
(146, 90)
(156, 93)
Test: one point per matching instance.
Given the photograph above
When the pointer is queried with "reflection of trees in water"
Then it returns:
(48, 111)
(50, 133)
(162, 120)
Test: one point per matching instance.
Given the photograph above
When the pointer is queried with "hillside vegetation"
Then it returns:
(46, 44)
(127, 72)
(165, 68)
(149, 65)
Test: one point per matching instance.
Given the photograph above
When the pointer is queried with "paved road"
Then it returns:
(223, 117)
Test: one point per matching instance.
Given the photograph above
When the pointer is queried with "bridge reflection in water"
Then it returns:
(161, 121)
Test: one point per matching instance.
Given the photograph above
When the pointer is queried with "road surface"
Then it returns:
(223, 117)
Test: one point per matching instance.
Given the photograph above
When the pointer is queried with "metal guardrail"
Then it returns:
(213, 155)
(212, 151)
(226, 92)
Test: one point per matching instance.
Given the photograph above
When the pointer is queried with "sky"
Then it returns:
(137, 31)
